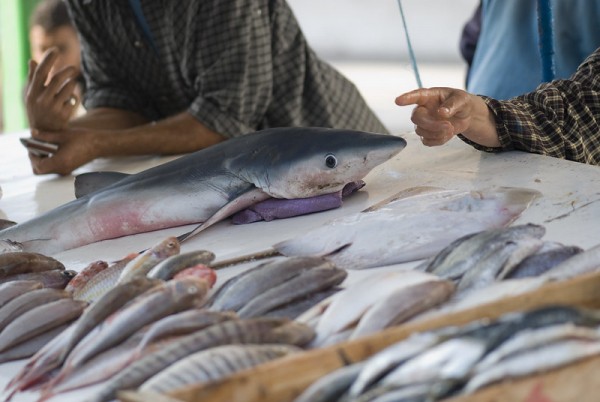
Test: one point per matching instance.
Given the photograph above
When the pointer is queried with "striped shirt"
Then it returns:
(235, 65)
(559, 119)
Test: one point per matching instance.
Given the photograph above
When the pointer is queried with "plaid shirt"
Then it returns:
(236, 65)
(559, 119)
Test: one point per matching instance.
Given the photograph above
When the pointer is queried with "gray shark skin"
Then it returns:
(209, 185)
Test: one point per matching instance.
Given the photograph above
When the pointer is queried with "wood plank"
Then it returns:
(284, 379)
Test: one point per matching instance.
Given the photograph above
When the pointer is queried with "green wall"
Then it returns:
(14, 16)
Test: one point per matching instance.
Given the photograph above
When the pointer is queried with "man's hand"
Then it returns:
(49, 97)
(441, 113)
(75, 148)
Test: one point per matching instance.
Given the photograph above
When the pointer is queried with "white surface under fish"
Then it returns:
(410, 228)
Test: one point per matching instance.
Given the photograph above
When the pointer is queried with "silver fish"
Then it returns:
(145, 261)
(543, 261)
(28, 301)
(306, 283)
(10, 290)
(56, 278)
(29, 347)
(410, 228)
(240, 289)
(387, 359)
(534, 361)
(460, 256)
(166, 269)
(331, 386)
(532, 338)
(403, 304)
(158, 302)
(253, 331)
(39, 320)
(211, 184)
(214, 364)
(587, 261)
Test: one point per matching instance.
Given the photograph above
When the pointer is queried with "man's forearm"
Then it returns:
(129, 134)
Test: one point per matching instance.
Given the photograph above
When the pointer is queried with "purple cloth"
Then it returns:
(277, 208)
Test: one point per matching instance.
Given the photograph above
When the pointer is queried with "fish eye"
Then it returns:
(330, 161)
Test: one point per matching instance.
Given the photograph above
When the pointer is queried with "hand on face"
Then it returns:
(50, 100)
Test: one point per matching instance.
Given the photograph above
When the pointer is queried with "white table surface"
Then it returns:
(569, 206)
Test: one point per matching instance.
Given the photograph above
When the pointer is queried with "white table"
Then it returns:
(569, 207)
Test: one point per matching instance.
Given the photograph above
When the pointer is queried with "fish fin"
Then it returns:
(242, 201)
(87, 183)
(405, 193)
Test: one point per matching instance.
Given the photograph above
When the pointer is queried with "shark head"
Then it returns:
(306, 162)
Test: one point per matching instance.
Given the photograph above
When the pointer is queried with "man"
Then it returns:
(170, 77)
(559, 119)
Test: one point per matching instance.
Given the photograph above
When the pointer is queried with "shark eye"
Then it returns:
(330, 161)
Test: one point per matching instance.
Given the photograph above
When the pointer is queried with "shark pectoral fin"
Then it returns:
(87, 183)
(242, 201)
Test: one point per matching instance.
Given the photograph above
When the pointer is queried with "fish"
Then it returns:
(451, 359)
(403, 304)
(160, 301)
(353, 302)
(5, 223)
(410, 228)
(382, 362)
(214, 364)
(56, 278)
(534, 361)
(209, 185)
(492, 265)
(145, 261)
(9, 246)
(543, 261)
(40, 319)
(168, 268)
(102, 282)
(28, 301)
(461, 255)
(532, 338)
(581, 263)
(251, 331)
(332, 385)
(29, 347)
(110, 302)
(199, 271)
(239, 290)
(26, 262)
(306, 283)
(10, 290)
(83, 276)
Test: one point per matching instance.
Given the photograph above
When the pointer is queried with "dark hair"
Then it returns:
(50, 15)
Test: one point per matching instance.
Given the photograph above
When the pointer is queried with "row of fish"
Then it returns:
(473, 270)
(451, 361)
(138, 325)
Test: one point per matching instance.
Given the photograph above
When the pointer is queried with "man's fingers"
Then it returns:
(416, 97)
(58, 80)
(40, 74)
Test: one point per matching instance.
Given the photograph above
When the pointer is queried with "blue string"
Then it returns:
(411, 53)
(546, 40)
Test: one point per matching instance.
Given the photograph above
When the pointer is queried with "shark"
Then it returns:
(209, 185)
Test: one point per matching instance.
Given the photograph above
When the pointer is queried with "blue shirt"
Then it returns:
(507, 59)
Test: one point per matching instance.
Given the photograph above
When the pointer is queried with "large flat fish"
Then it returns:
(210, 185)
(409, 228)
